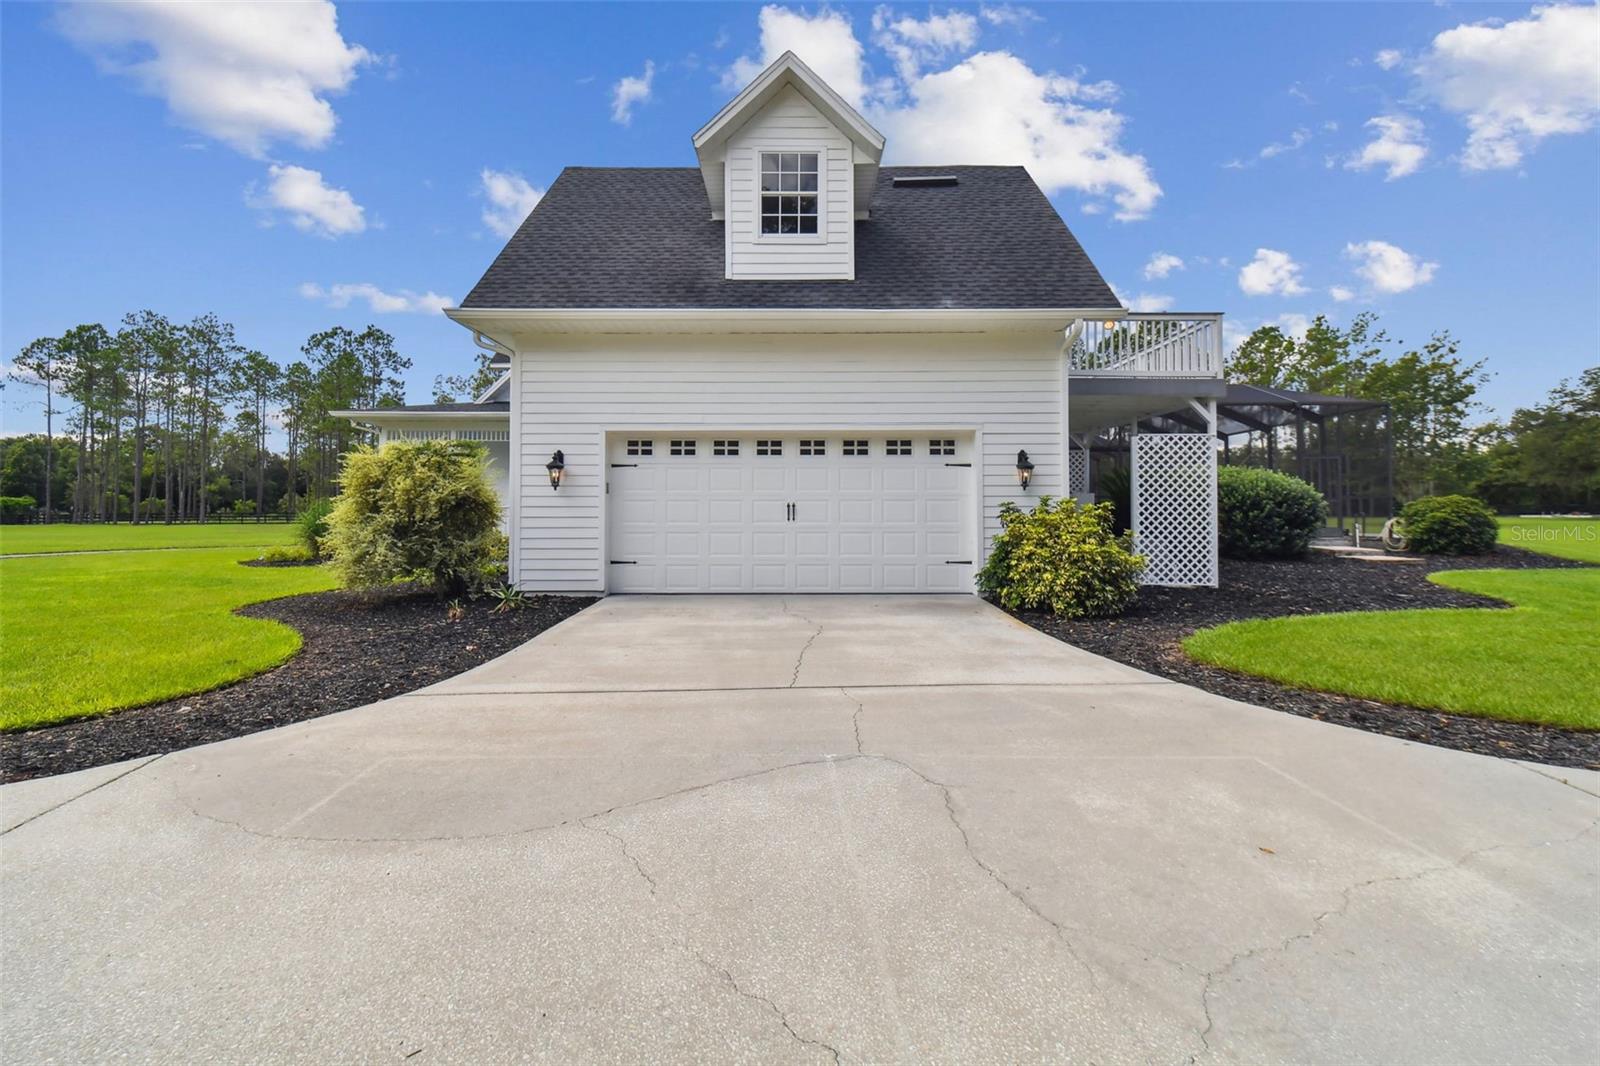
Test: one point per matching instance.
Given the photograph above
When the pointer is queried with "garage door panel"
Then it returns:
(787, 522)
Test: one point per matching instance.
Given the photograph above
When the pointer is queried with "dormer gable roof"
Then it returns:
(785, 71)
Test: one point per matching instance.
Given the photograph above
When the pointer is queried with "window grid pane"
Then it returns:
(941, 447)
(769, 447)
(813, 447)
(641, 447)
(789, 173)
(855, 447)
(682, 447)
(897, 447)
(724, 447)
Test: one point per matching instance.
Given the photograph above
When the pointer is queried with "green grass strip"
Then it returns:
(87, 634)
(24, 540)
(1538, 661)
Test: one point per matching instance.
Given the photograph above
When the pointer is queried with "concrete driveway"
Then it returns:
(853, 829)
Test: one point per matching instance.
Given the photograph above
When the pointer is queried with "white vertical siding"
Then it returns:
(572, 389)
(790, 123)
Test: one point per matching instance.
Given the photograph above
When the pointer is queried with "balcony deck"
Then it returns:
(1148, 345)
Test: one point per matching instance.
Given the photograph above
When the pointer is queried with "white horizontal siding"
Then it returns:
(573, 389)
(789, 123)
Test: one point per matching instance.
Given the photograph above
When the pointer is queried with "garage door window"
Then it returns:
(941, 447)
(813, 447)
(855, 447)
(682, 447)
(724, 447)
(898, 447)
(769, 447)
(641, 447)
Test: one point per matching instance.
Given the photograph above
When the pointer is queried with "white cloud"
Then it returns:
(1008, 14)
(824, 42)
(378, 301)
(993, 108)
(1518, 82)
(1161, 264)
(988, 108)
(1296, 140)
(1398, 146)
(312, 205)
(1388, 58)
(1341, 294)
(248, 74)
(629, 92)
(1271, 272)
(911, 42)
(1388, 268)
(1235, 329)
(510, 199)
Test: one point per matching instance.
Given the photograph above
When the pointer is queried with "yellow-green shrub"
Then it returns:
(422, 511)
(1062, 557)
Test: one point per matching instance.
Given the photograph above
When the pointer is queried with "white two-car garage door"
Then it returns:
(741, 512)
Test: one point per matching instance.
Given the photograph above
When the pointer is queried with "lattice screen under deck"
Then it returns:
(1175, 507)
(1077, 471)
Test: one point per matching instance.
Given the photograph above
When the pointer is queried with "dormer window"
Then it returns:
(789, 196)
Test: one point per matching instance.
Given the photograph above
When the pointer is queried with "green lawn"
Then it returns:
(21, 540)
(85, 634)
(1569, 538)
(1537, 662)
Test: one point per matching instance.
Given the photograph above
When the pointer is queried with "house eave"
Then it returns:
(380, 415)
(516, 321)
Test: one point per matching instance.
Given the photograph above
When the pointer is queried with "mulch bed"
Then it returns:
(358, 648)
(1148, 636)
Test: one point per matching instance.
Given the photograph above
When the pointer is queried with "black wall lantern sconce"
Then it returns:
(1024, 470)
(557, 466)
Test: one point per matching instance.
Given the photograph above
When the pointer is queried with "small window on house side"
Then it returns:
(682, 447)
(855, 447)
(813, 447)
(724, 447)
(941, 447)
(641, 447)
(789, 196)
(897, 447)
(769, 447)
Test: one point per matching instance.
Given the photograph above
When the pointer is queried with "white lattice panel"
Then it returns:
(1077, 471)
(1175, 507)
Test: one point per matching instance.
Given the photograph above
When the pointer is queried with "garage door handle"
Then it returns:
(624, 562)
(958, 464)
(952, 562)
(615, 465)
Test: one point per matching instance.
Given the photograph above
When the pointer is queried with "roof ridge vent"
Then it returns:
(925, 181)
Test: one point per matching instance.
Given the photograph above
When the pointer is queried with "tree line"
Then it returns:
(1547, 457)
(157, 417)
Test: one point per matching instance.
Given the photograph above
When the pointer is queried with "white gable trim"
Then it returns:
(788, 69)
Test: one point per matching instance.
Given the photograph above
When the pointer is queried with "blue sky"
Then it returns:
(297, 166)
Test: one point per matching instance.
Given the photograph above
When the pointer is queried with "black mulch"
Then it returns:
(1148, 637)
(358, 648)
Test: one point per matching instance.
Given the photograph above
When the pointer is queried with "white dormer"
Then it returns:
(789, 167)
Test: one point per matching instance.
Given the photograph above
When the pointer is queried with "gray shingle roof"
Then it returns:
(643, 237)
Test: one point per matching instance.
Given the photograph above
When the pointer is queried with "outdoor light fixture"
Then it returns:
(1024, 469)
(558, 469)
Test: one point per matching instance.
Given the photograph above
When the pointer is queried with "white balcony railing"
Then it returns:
(1149, 345)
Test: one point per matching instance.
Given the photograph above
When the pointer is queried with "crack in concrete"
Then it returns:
(777, 1012)
(800, 660)
(1346, 900)
(680, 938)
(855, 718)
(527, 831)
(74, 798)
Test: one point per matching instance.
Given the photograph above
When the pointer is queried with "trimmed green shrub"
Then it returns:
(1449, 525)
(16, 508)
(287, 554)
(420, 511)
(311, 525)
(1262, 514)
(1062, 557)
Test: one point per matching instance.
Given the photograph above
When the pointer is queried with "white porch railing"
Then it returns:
(1149, 345)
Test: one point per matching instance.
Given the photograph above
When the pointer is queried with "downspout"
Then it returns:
(489, 344)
